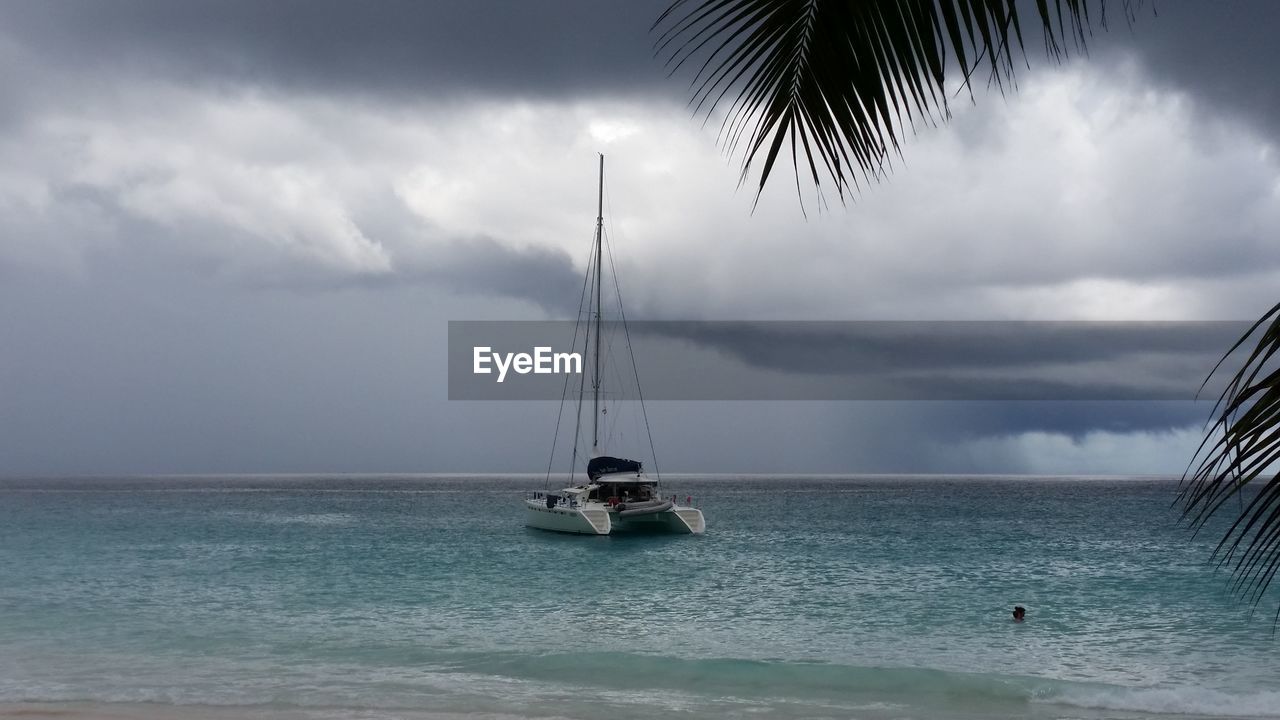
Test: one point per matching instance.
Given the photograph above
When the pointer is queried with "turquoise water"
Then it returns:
(807, 598)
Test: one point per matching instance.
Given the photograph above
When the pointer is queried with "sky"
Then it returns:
(232, 234)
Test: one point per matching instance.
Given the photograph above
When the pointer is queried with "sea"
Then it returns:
(884, 598)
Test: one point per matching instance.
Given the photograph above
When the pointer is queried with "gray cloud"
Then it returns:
(1222, 53)
(482, 266)
(107, 233)
(964, 361)
(399, 47)
(233, 232)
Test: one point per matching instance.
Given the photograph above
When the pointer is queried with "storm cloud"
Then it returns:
(894, 361)
(506, 48)
(232, 234)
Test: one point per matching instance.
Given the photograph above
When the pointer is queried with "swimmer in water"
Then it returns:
(1019, 613)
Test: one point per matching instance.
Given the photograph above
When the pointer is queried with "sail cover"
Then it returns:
(604, 465)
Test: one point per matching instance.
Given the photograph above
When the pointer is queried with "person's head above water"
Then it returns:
(1019, 613)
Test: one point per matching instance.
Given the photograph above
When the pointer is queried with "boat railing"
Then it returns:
(554, 500)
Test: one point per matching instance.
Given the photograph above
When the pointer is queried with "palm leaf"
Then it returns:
(844, 79)
(1241, 446)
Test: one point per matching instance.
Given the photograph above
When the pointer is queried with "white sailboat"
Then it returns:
(616, 495)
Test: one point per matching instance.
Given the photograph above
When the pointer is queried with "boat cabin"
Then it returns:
(621, 488)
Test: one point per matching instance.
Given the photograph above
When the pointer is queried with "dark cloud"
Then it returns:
(482, 266)
(957, 361)
(402, 47)
(169, 306)
(1222, 53)
(881, 346)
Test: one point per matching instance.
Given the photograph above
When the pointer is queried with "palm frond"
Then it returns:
(1242, 446)
(841, 80)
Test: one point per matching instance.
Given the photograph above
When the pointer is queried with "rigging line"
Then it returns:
(611, 368)
(582, 377)
(564, 391)
(608, 202)
(616, 377)
(622, 315)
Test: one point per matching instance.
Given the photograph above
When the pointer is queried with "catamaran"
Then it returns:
(616, 494)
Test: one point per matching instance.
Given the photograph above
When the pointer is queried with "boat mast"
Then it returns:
(595, 379)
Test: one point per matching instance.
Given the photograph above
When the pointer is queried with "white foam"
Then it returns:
(1177, 701)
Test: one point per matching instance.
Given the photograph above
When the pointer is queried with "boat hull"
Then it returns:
(598, 519)
(675, 520)
(578, 520)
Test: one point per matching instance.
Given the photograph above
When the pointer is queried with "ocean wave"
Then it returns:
(575, 684)
(1172, 701)
(852, 686)
(749, 677)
